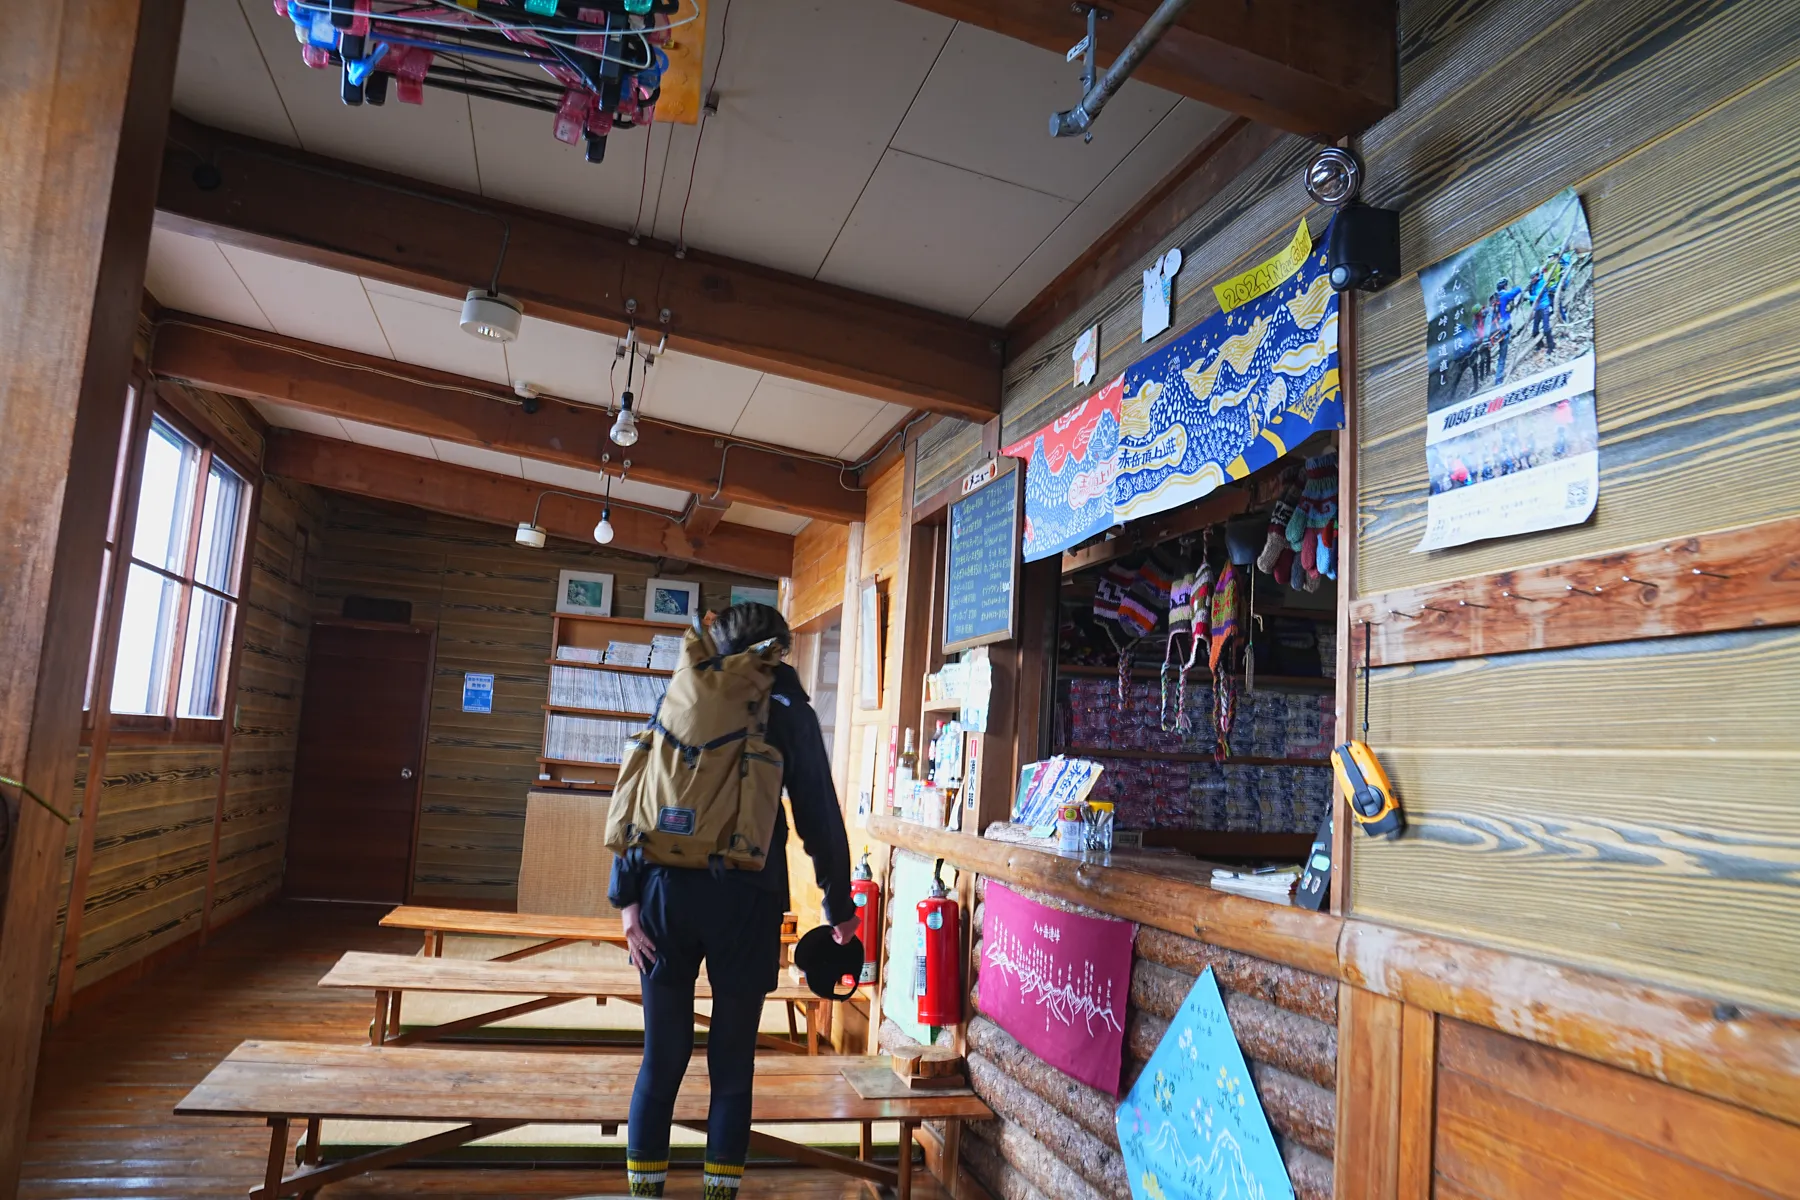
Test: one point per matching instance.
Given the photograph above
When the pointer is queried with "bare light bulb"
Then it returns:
(603, 532)
(624, 430)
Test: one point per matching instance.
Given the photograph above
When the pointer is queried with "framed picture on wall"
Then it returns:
(758, 595)
(673, 600)
(870, 637)
(584, 593)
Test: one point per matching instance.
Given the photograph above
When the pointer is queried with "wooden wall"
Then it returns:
(491, 602)
(1628, 806)
(817, 584)
(880, 559)
(948, 450)
(153, 837)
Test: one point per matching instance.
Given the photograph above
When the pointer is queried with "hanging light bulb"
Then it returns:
(603, 532)
(624, 429)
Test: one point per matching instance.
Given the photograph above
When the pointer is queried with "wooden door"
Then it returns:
(360, 758)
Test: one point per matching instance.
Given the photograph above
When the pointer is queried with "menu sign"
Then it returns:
(983, 571)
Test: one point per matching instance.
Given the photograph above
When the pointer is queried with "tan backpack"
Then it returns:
(701, 781)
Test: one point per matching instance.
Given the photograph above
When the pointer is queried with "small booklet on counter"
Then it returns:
(1274, 884)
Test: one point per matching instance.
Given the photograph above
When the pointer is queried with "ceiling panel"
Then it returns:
(575, 479)
(479, 458)
(987, 105)
(790, 413)
(429, 141)
(220, 76)
(521, 162)
(697, 392)
(382, 438)
(425, 329)
(798, 131)
(562, 360)
(1186, 126)
(880, 425)
(938, 235)
(283, 417)
(190, 274)
(766, 518)
(315, 304)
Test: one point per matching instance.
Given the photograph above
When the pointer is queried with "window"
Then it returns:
(183, 569)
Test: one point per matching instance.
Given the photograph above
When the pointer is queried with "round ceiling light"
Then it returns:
(491, 315)
(1334, 177)
(530, 535)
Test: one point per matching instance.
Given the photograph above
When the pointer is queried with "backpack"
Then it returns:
(700, 786)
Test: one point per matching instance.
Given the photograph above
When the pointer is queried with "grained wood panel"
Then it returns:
(1368, 1110)
(1666, 1121)
(947, 451)
(1620, 804)
(1692, 268)
(819, 565)
(492, 602)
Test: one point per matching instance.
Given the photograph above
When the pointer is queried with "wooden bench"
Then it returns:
(551, 932)
(486, 1092)
(390, 976)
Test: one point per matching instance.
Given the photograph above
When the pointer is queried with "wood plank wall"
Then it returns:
(817, 584)
(881, 560)
(1627, 806)
(948, 450)
(491, 601)
(1056, 1136)
(147, 886)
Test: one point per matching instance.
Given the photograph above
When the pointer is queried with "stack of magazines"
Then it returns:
(587, 739)
(615, 691)
(582, 654)
(628, 654)
(665, 651)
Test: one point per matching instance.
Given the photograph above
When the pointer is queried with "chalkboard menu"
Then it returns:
(983, 574)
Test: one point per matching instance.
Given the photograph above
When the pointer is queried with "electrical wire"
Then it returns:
(491, 22)
(700, 138)
(644, 183)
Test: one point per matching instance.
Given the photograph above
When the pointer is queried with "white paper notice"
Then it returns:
(1087, 356)
(1159, 294)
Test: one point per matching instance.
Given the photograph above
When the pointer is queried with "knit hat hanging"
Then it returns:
(1277, 556)
(1227, 628)
(1190, 600)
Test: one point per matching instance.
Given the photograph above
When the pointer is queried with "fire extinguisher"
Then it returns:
(865, 893)
(937, 975)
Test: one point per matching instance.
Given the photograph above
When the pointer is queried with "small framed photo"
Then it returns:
(675, 601)
(870, 643)
(760, 595)
(584, 593)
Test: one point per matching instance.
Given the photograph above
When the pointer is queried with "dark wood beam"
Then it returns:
(503, 500)
(342, 383)
(87, 102)
(352, 218)
(1322, 68)
(703, 515)
(1230, 151)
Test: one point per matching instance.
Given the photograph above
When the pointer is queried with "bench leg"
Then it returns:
(953, 1128)
(812, 1026)
(865, 1142)
(903, 1186)
(793, 1024)
(278, 1130)
(378, 1025)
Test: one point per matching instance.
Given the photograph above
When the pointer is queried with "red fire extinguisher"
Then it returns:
(865, 893)
(937, 975)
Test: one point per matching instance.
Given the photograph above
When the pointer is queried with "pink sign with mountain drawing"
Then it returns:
(1058, 982)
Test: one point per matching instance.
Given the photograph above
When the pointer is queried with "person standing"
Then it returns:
(1505, 296)
(675, 918)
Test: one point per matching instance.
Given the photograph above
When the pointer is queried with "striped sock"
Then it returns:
(646, 1178)
(721, 1180)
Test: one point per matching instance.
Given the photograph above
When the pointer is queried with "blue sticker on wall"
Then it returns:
(478, 692)
(1191, 1127)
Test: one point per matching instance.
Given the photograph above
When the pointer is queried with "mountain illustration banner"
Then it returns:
(1068, 474)
(1192, 1128)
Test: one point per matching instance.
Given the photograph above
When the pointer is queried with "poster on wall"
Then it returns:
(1234, 393)
(1511, 443)
(1058, 982)
(1192, 1127)
(909, 881)
(1068, 474)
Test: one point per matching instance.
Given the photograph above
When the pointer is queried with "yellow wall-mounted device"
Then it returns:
(1372, 801)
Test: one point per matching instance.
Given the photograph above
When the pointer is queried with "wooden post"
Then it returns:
(88, 92)
(1349, 646)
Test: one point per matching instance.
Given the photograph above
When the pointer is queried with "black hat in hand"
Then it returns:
(825, 963)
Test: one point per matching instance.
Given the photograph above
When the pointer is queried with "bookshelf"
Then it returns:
(592, 706)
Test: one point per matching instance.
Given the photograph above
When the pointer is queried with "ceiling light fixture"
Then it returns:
(1334, 178)
(529, 534)
(491, 315)
(603, 532)
(624, 430)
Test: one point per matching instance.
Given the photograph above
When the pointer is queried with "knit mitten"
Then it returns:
(1278, 523)
(1327, 556)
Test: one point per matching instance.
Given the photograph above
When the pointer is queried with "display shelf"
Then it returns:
(620, 714)
(1210, 843)
(588, 666)
(940, 706)
(576, 762)
(1241, 760)
(1279, 683)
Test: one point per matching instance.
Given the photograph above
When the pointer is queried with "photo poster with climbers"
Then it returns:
(1068, 474)
(909, 881)
(1059, 982)
(1233, 394)
(1192, 1127)
(1511, 443)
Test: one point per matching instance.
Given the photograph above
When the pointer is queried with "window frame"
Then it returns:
(153, 401)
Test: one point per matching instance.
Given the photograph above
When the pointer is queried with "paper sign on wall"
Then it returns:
(1159, 294)
(478, 692)
(1265, 277)
(1058, 982)
(1087, 356)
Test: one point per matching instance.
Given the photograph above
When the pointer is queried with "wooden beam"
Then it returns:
(88, 85)
(503, 500)
(378, 391)
(352, 218)
(1232, 148)
(1323, 68)
(703, 515)
(1742, 578)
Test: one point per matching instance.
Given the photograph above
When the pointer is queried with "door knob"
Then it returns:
(406, 772)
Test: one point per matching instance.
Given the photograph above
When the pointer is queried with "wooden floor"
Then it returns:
(102, 1126)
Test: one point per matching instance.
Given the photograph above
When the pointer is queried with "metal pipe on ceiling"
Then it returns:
(1080, 119)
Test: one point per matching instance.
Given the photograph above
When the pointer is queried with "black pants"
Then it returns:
(734, 927)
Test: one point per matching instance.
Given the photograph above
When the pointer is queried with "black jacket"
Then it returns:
(806, 776)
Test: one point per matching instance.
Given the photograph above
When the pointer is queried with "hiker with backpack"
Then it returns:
(700, 873)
